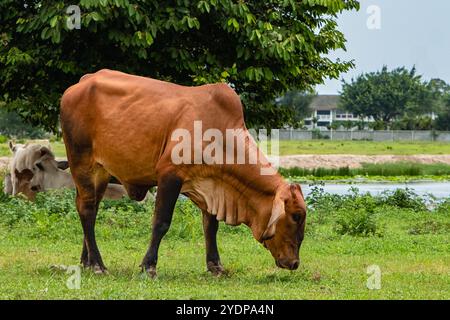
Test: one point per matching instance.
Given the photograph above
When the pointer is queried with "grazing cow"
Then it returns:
(124, 125)
(35, 169)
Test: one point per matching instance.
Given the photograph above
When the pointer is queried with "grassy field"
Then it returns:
(344, 236)
(362, 147)
(326, 147)
(57, 147)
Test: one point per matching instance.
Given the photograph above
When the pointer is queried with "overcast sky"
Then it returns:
(411, 32)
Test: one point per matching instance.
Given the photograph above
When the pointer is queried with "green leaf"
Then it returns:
(53, 21)
(148, 38)
(96, 16)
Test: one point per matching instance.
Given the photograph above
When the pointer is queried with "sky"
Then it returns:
(395, 33)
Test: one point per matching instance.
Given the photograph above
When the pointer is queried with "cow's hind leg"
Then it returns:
(91, 185)
(210, 227)
(169, 187)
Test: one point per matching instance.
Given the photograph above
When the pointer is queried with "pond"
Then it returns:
(438, 189)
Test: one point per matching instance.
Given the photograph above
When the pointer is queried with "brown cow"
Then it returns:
(123, 125)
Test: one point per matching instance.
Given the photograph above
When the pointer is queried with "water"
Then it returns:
(438, 189)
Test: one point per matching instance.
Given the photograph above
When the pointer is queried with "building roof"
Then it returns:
(325, 102)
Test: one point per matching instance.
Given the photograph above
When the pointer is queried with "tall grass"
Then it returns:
(371, 169)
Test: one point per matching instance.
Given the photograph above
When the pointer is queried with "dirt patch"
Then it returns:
(354, 161)
(330, 160)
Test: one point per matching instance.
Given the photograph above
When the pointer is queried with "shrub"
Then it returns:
(430, 226)
(359, 222)
(444, 207)
(403, 198)
(322, 204)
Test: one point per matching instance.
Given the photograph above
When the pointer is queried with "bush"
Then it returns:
(359, 222)
(430, 226)
(403, 198)
(444, 207)
(3, 139)
(322, 204)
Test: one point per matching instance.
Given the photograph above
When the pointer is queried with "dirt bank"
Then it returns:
(332, 160)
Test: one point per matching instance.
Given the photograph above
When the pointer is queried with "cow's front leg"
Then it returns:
(210, 227)
(169, 188)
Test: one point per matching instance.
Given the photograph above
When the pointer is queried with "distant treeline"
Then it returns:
(12, 126)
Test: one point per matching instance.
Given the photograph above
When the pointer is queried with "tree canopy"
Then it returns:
(300, 104)
(386, 95)
(261, 48)
(443, 119)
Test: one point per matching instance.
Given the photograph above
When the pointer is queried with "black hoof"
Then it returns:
(215, 268)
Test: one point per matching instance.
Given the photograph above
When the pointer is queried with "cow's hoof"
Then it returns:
(99, 269)
(151, 272)
(96, 268)
(216, 269)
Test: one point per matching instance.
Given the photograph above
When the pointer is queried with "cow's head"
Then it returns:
(47, 171)
(24, 178)
(16, 147)
(40, 161)
(285, 229)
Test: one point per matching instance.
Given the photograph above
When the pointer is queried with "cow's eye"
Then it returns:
(40, 166)
(297, 217)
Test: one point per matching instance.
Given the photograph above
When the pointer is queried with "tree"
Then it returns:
(386, 95)
(348, 125)
(439, 91)
(261, 48)
(299, 102)
(11, 125)
(443, 119)
(423, 122)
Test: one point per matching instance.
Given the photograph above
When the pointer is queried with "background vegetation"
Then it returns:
(261, 48)
(412, 170)
(397, 99)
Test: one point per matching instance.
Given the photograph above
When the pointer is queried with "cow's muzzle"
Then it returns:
(36, 188)
(288, 264)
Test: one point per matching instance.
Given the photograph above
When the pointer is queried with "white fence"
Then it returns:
(378, 135)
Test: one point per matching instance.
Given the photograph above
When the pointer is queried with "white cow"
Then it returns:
(37, 164)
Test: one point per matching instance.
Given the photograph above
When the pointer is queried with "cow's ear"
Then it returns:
(12, 147)
(296, 187)
(277, 212)
(46, 153)
(63, 165)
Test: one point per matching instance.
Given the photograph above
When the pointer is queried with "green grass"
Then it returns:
(326, 147)
(58, 149)
(409, 243)
(396, 169)
(362, 147)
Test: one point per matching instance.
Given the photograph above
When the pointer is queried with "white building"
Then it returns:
(325, 111)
